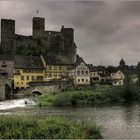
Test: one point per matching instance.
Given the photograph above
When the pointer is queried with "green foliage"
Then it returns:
(138, 73)
(30, 50)
(100, 95)
(80, 97)
(15, 127)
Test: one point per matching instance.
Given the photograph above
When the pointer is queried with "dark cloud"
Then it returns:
(105, 31)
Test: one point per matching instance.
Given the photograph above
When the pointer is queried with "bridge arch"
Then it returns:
(8, 91)
(36, 93)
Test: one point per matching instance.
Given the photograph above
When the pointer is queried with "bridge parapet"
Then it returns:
(45, 89)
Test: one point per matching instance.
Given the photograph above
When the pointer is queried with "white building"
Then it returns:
(117, 78)
(80, 73)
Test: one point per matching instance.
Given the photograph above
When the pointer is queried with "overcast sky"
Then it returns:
(104, 31)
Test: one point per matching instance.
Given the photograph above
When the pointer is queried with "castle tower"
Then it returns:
(7, 34)
(69, 46)
(38, 26)
(68, 34)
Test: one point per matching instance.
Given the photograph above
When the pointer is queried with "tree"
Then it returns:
(31, 50)
(127, 94)
(138, 74)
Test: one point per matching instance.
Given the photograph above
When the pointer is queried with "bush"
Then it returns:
(105, 95)
(13, 127)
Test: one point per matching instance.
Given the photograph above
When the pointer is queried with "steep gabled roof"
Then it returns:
(28, 62)
(79, 60)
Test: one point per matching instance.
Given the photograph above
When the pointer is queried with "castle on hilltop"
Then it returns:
(58, 45)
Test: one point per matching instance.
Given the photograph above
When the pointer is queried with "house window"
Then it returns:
(78, 80)
(16, 71)
(82, 72)
(27, 77)
(40, 78)
(17, 83)
(50, 75)
(33, 78)
(22, 77)
(82, 80)
(86, 72)
(120, 83)
(78, 72)
(86, 80)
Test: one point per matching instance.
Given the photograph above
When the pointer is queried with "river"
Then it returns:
(115, 121)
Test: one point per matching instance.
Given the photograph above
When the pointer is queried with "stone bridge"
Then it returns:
(44, 88)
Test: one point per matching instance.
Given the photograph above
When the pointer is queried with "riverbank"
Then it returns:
(97, 96)
(21, 127)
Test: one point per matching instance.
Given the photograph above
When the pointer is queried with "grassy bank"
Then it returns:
(99, 95)
(15, 127)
